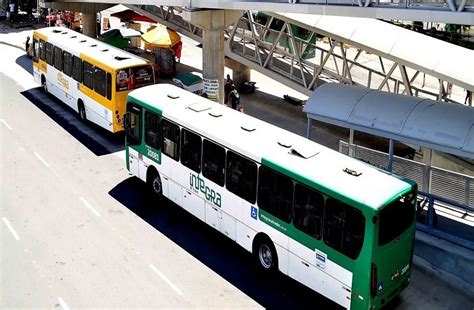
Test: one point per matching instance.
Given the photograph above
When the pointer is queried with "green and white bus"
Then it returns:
(339, 226)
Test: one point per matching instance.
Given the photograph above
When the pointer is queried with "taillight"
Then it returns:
(373, 280)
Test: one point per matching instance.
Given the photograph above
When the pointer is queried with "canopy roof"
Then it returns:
(130, 15)
(161, 36)
(446, 127)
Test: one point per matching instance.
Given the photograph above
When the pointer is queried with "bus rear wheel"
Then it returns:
(154, 182)
(82, 111)
(265, 255)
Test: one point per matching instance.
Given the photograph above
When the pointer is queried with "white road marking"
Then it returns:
(62, 304)
(89, 206)
(162, 276)
(41, 159)
(15, 235)
(6, 124)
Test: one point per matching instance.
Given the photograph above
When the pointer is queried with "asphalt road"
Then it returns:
(76, 231)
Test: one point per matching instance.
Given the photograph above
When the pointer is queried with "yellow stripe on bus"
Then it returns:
(40, 36)
(41, 65)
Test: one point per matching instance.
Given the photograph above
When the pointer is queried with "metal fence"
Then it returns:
(445, 198)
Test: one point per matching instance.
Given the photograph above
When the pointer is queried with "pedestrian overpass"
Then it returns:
(288, 48)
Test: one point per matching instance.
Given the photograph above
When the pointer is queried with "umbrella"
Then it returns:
(130, 15)
(161, 37)
(121, 33)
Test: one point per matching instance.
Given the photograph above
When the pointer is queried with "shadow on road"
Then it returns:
(96, 139)
(216, 251)
(25, 62)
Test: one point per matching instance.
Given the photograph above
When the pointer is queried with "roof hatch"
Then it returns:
(199, 106)
(304, 151)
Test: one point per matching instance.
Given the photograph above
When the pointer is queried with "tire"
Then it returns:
(154, 183)
(82, 111)
(265, 255)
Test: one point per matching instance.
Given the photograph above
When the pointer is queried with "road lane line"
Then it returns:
(15, 235)
(6, 124)
(162, 276)
(89, 206)
(41, 159)
(62, 304)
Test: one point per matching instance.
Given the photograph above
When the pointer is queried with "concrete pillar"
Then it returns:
(240, 72)
(89, 24)
(213, 23)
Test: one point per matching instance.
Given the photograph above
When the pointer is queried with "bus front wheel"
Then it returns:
(82, 111)
(265, 255)
(44, 84)
(154, 182)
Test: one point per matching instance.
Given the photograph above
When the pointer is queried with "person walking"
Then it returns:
(227, 88)
(234, 99)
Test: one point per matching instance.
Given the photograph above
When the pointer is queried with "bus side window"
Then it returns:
(213, 162)
(344, 228)
(88, 75)
(49, 53)
(42, 55)
(77, 69)
(308, 211)
(191, 150)
(58, 58)
(275, 193)
(109, 86)
(152, 130)
(100, 81)
(67, 63)
(241, 177)
(170, 142)
(36, 50)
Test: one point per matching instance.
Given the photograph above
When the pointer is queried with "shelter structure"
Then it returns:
(436, 125)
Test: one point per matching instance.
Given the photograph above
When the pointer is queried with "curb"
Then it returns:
(12, 45)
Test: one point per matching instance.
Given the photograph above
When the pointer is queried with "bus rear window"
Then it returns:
(135, 77)
(396, 218)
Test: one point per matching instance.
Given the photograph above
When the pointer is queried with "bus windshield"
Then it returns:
(134, 77)
(396, 217)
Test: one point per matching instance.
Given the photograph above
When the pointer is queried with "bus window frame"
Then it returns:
(69, 62)
(244, 179)
(166, 140)
(58, 58)
(77, 73)
(189, 159)
(156, 130)
(49, 59)
(42, 44)
(133, 140)
(216, 175)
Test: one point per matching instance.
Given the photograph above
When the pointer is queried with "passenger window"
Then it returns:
(49, 53)
(58, 58)
(88, 75)
(213, 162)
(67, 63)
(42, 50)
(36, 50)
(241, 177)
(344, 228)
(133, 125)
(170, 143)
(275, 193)
(191, 150)
(99, 81)
(77, 73)
(109, 86)
(308, 211)
(152, 130)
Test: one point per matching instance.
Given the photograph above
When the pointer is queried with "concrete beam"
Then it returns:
(82, 7)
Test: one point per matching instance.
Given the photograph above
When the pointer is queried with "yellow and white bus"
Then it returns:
(88, 75)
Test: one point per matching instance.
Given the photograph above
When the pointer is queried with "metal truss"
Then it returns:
(306, 59)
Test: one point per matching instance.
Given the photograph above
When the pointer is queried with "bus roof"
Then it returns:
(81, 45)
(294, 155)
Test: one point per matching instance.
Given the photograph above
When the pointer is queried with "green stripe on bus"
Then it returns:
(146, 105)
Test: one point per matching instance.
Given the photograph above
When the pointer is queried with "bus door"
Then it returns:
(133, 130)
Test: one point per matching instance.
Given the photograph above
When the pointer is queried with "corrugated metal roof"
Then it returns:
(437, 125)
(415, 50)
